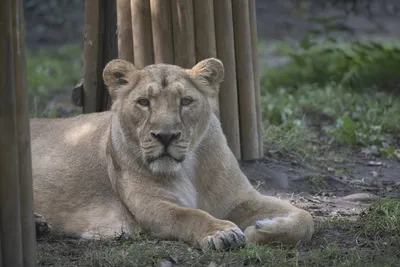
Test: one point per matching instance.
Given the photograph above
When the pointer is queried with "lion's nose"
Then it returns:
(165, 138)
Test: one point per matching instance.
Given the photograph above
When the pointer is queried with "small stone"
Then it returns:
(374, 163)
(165, 263)
(374, 174)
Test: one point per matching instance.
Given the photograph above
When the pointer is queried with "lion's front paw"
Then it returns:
(231, 237)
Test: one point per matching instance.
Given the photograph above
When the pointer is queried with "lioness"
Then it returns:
(158, 162)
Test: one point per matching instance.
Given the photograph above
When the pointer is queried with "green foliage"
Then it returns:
(356, 65)
(50, 73)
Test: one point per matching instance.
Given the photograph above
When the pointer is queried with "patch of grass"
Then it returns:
(289, 138)
(342, 116)
(51, 72)
(336, 242)
(381, 220)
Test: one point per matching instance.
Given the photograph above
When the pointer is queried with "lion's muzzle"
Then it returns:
(165, 151)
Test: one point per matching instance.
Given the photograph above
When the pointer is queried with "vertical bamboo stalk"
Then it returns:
(108, 48)
(161, 22)
(141, 32)
(204, 33)
(254, 40)
(124, 22)
(245, 80)
(10, 223)
(91, 56)
(228, 96)
(183, 32)
(23, 138)
(204, 29)
(1, 259)
(100, 46)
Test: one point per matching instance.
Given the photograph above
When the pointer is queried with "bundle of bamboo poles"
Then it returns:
(17, 228)
(183, 32)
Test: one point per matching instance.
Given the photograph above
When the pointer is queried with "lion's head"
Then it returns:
(163, 110)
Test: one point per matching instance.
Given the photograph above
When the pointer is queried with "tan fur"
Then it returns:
(104, 174)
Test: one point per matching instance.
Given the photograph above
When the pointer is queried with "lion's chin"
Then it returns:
(166, 165)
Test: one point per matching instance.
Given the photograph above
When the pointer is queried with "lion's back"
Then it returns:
(68, 156)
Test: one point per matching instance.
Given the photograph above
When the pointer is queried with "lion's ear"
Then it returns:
(117, 73)
(210, 70)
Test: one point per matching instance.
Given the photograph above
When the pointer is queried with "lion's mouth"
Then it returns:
(166, 155)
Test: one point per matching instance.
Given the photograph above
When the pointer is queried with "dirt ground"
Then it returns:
(339, 189)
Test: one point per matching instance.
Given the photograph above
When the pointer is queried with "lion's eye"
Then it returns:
(186, 101)
(144, 102)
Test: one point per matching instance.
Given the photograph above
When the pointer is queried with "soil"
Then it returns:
(341, 189)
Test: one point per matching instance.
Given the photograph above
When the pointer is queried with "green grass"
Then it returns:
(382, 220)
(349, 118)
(371, 240)
(50, 73)
(346, 94)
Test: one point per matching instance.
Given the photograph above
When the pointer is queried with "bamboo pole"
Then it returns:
(108, 48)
(141, 27)
(254, 41)
(10, 223)
(161, 22)
(23, 138)
(91, 62)
(245, 80)
(205, 35)
(100, 46)
(183, 33)
(204, 29)
(124, 22)
(228, 96)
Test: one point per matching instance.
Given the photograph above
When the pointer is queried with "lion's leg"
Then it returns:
(267, 219)
(166, 220)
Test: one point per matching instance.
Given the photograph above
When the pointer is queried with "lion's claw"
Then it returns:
(227, 238)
